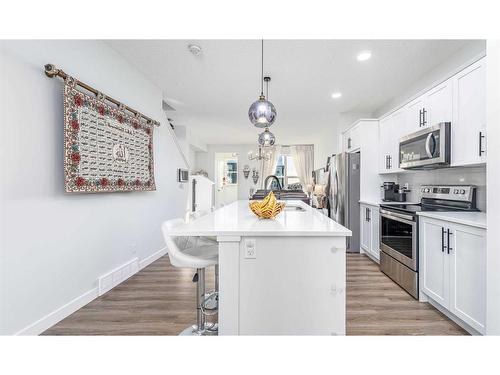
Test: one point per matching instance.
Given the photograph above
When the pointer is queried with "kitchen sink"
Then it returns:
(294, 208)
(282, 195)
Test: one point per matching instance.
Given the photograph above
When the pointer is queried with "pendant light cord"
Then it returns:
(262, 69)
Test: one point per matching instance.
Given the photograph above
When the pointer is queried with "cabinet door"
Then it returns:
(384, 135)
(346, 141)
(468, 143)
(375, 232)
(468, 275)
(434, 265)
(355, 138)
(414, 115)
(398, 129)
(365, 235)
(438, 104)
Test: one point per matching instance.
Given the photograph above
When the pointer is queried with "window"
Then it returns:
(232, 171)
(287, 174)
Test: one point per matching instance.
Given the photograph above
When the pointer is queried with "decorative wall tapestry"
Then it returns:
(106, 149)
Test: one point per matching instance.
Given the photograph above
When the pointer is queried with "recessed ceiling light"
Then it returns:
(336, 95)
(364, 55)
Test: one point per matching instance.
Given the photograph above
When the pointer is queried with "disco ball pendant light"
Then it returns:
(266, 138)
(262, 112)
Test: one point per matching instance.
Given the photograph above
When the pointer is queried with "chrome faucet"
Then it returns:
(272, 177)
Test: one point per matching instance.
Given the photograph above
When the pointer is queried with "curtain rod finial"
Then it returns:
(50, 70)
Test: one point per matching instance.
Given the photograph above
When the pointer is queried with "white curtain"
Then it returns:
(269, 166)
(303, 157)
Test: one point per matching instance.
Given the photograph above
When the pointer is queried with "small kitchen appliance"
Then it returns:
(391, 192)
(399, 229)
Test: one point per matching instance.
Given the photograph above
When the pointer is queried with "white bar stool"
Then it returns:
(184, 254)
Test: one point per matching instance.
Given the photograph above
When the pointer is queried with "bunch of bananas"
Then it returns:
(268, 208)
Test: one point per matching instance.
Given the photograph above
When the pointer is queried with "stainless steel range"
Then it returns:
(399, 229)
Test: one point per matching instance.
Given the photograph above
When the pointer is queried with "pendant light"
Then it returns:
(266, 138)
(262, 112)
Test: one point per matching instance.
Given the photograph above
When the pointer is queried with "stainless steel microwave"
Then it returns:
(426, 148)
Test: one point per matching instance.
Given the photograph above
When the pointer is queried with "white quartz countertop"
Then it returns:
(236, 219)
(474, 219)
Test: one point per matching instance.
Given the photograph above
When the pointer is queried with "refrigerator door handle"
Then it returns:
(335, 193)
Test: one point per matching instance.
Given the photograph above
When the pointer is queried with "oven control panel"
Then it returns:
(448, 192)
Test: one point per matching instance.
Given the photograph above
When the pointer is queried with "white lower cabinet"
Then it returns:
(369, 230)
(453, 269)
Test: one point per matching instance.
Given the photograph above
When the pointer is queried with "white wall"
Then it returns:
(456, 62)
(55, 245)
(493, 175)
(206, 161)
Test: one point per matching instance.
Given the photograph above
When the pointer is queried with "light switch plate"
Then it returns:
(250, 249)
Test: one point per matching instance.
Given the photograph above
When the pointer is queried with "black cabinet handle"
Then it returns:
(390, 161)
(424, 120)
(368, 218)
(481, 137)
(349, 142)
(442, 240)
(449, 234)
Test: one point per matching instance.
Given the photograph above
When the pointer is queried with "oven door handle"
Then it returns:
(393, 215)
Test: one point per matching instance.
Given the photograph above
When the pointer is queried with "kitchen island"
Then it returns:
(284, 276)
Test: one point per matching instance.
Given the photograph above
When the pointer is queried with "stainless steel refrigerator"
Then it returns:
(343, 195)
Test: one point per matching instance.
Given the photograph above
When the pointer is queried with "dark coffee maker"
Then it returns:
(390, 192)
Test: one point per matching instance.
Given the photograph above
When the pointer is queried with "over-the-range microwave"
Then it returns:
(427, 148)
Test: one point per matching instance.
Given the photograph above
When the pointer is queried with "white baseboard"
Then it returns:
(153, 257)
(118, 275)
(66, 310)
(450, 315)
(57, 315)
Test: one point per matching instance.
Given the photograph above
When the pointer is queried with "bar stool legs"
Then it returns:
(206, 305)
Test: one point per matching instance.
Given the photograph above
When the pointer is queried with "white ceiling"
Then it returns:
(212, 92)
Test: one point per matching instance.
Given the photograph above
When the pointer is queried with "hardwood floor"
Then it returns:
(159, 300)
(378, 306)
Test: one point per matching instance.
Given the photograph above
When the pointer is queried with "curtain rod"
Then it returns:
(298, 144)
(51, 71)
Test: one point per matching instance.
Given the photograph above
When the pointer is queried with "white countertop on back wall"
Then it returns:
(473, 219)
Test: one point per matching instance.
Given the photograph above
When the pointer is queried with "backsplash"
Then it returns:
(446, 176)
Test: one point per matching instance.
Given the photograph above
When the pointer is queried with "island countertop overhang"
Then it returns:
(236, 219)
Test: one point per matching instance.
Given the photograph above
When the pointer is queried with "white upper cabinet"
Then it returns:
(384, 134)
(438, 104)
(414, 114)
(391, 129)
(351, 139)
(431, 108)
(460, 100)
(468, 142)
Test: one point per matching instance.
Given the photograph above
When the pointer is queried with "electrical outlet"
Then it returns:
(250, 249)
